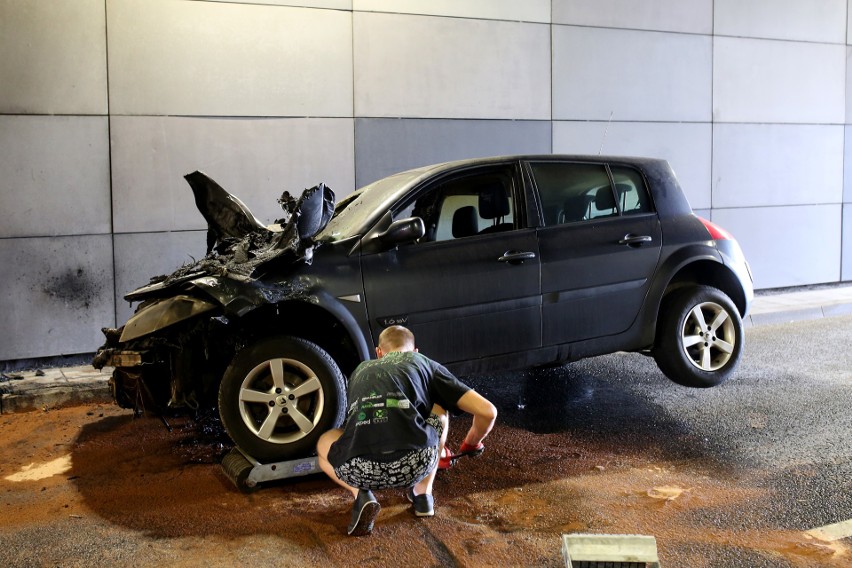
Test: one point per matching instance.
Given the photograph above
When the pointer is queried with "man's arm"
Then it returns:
(484, 415)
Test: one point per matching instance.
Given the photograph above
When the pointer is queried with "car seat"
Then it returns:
(494, 205)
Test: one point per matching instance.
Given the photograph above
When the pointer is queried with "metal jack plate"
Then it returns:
(246, 473)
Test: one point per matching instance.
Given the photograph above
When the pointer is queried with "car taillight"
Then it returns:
(717, 233)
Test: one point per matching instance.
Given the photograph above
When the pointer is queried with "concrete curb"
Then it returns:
(50, 388)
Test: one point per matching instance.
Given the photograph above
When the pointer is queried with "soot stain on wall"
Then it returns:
(74, 286)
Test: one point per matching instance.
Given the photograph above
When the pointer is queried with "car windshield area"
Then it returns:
(572, 192)
(353, 213)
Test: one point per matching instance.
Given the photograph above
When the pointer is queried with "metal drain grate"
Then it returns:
(609, 551)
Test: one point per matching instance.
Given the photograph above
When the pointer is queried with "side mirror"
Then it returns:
(403, 231)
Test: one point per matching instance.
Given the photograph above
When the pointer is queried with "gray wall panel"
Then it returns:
(645, 76)
(787, 246)
(387, 146)
(687, 147)
(171, 57)
(690, 16)
(430, 67)
(778, 81)
(55, 176)
(804, 20)
(141, 256)
(254, 159)
(54, 57)
(777, 164)
(57, 294)
(847, 165)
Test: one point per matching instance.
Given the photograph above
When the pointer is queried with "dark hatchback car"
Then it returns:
(494, 264)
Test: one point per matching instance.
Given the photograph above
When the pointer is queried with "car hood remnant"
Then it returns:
(237, 242)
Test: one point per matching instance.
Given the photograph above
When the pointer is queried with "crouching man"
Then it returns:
(396, 426)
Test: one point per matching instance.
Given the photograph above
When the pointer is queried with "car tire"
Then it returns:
(699, 337)
(278, 396)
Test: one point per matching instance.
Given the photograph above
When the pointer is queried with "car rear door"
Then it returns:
(470, 288)
(599, 246)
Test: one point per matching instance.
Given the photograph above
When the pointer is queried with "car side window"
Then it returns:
(631, 191)
(574, 192)
(465, 206)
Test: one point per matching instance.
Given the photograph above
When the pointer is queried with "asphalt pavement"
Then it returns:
(58, 386)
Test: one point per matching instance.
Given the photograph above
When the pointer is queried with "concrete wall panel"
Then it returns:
(629, 75)
(54, 57)
(213, 58)
(528, 11)
(689, 16)
(687, 147)
(778, 81)
(57, 294)
(254, 159)
(847, 165)
(141, 256)
(387, 146)
(787, 246)
(803, 20)
(428, 67)
(55, 176)
(777, 164)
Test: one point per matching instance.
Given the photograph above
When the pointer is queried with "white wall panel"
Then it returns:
(647, 76)
(212, 59)
(527, 11)
(787, 246)
(429, 67)
(847, 243)
(255, 159)
(777, 164)
(53, 57)
(686, 146)
(847, 168)
(778, 81)
(689, 16)
(57, 298)
(803, 20)
(141, 256)
(55, 176)
(333, 4)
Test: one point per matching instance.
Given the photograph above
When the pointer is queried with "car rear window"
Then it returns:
(575, 192)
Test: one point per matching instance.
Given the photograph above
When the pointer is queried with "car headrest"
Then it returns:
(465, 222)
(604, 199)
(493, 201)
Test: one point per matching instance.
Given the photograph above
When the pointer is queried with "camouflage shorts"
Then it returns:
(405, 471)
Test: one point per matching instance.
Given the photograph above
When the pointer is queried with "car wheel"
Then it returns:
(699, 337)
(279, 395)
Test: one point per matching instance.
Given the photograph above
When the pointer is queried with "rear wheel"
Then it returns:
(699, 337)
(279, 395)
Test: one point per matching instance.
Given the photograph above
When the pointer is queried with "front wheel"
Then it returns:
(279, 395)
(699, 337)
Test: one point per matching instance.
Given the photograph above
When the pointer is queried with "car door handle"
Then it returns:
(516, 256)
(632, 240)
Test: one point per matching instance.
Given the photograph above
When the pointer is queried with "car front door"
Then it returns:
(469, 288)
(599, 247)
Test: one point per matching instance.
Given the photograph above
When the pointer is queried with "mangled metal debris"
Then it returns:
(237, 242)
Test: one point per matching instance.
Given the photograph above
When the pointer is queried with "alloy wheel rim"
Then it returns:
(281, 401)
(708, 336)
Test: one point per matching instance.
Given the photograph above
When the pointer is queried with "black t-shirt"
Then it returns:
(389, 401)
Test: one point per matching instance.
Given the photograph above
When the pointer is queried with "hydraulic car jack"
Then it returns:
(246, 473)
